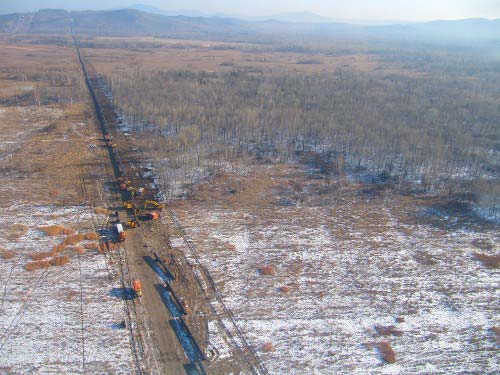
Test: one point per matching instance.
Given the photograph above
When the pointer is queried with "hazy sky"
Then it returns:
(339, 9)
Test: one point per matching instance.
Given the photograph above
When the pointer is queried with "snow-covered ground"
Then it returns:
(351, 265)
(42, 314)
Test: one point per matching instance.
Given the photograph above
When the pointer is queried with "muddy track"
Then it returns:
(155, 344)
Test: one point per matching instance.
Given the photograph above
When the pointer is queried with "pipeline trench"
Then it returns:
(169, 323)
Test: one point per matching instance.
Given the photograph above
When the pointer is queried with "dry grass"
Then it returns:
(386, 351)
(489, 261)
(79, 250)
(388, 331)
(91, 246)
(40, 256)
(197, 55)
(55, 230)
(15, 231)
(267, 270)
(59, 261)
(73, 239)
(58, 248)
(8, 254)
(102, 210)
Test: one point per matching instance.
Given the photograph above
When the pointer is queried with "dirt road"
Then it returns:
(153, 316)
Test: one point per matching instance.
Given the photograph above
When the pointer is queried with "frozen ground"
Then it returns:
(351, 262)
(42, 315)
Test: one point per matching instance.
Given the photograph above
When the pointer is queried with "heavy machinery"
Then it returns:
(120, 233)
(153, 205)
(133, 223)
(149, 216)
(123, 183)
(136, 285)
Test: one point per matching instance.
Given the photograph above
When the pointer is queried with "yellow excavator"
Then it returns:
(133, 223)
(153, 205)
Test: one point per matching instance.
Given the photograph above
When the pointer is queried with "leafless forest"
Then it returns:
(419, 119)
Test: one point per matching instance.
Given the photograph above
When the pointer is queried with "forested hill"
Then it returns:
(128, 22)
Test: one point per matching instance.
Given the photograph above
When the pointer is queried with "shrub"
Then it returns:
(268, 347)
(267, 271)
(91, 246)
(285, 289)
(386, 351)
(388, 331)
(489, 261)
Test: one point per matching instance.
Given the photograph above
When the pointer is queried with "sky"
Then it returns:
(375, 10)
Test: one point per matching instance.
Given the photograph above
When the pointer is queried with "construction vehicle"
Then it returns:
(152, 215)
(145, 216)
(153, 205)
(132, 190)
(133, 223)
(120, 233)
(136, 285)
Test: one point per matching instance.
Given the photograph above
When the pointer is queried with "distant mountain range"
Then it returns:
(289, 17)
(139, 22)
